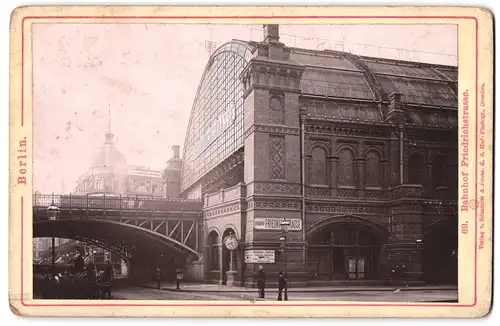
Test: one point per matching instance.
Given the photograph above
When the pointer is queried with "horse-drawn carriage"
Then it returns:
(72, 286)
(80, 282)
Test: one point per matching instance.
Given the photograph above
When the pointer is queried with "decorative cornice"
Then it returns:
(276, 188)
(406, 209)
(274, 204)
(272, 129)
(316, 128)
(269, 73)
(224, 210)
(270, 88)
(346, 209)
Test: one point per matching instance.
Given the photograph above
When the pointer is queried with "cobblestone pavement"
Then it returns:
(139, 293)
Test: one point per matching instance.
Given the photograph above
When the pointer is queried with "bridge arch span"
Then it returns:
(140, 242)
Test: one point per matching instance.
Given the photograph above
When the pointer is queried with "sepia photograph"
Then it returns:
(270, 162)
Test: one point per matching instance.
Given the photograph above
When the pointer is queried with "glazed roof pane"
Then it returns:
(335, 83)
(328, 61)
(419, 91)
(411, 71)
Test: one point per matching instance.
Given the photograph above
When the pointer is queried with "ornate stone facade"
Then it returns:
(333, 144)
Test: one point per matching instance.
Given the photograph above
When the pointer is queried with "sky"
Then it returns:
(145, 76)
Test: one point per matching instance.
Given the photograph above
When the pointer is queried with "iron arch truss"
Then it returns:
(128, 240)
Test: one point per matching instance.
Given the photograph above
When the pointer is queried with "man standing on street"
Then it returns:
(261, 281)
(178, 277)
(281, 286)
(106, 280)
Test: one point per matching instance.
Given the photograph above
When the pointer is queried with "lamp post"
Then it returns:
(418, 244)
(53, 212)
(284, 232)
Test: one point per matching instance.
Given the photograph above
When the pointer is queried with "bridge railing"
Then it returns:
(107, 202)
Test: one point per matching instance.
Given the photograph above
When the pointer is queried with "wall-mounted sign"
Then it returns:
(259, 256)
(274, 223)
(231, 242)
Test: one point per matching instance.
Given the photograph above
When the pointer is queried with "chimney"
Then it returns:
(272, 47)
(176, 149)
(395, 101)
(271, 33)
(396, 114)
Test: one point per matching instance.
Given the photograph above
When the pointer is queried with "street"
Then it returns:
(140, 293)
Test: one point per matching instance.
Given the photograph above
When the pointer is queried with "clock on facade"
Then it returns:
(231, 242)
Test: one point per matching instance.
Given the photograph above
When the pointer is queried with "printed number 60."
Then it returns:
(465, 228)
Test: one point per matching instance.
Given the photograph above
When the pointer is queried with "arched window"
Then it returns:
(213, 251)
(416, 171)
(438, 171)
(345, 173)
(372, 169)
(317, 168)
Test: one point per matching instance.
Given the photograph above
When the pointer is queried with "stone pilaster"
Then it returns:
(428, 178)
(394, 160)
(406, 232)
(271, 83)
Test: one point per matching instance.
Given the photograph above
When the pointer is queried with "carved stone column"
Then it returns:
(394, 160)
(307, 167)
(334, 162)
(360, 175)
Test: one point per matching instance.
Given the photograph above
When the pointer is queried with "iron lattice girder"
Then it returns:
(185, 231)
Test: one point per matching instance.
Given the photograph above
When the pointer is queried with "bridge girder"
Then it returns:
(134, 238)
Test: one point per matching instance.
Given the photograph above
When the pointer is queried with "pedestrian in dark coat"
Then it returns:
(92, 278)
(178, 278)
(106, 279)
(281, 285)
(261, 281)
(158, 278)
(399, 275)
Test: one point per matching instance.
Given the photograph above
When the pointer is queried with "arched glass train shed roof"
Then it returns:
(215, 129)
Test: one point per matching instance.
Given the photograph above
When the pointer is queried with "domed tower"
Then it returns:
(109, 169)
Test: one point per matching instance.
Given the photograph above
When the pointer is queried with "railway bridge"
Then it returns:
(145, 233)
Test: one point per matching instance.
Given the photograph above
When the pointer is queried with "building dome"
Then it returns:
(109, 156)
(110, 165)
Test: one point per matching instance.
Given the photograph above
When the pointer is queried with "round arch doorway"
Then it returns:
(344, 253)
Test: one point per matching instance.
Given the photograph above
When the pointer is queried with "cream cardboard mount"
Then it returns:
(326, 161)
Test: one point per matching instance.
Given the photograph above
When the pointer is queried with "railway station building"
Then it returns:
(358, 154)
